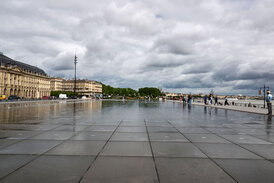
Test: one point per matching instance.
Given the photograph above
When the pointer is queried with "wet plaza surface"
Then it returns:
(123, 142)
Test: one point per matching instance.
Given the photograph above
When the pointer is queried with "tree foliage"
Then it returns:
(56, 93)
(149, 91)
(109, 90)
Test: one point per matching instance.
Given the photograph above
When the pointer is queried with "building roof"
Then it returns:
(4, 60)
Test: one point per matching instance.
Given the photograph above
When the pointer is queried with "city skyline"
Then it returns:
(182, 46)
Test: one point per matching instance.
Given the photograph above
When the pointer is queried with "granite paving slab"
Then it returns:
(265, 150)
(9, 163)
(127, 123)
(92, 135)
(73, 128)
(131, 129)
(133, 136)
(127, 149)
(100, 128)
(224, 131)
(77, 147)
(244, 139)
(163, 124)
(13, 134)
(161, 129)
(6, 142)
(122, 170)
(248, 171)
(54, 135)
(30, 147)
(176, 149)
(50, 169)
(268, 138)
(207, 138)
(192, 130)
(226, 151)
(167, 137)
(190, 170)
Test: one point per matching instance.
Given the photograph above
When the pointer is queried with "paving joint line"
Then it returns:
(203, 152)
(153, 157)
(37, 156)
(96, 157)
(28, 138)
(244, 147)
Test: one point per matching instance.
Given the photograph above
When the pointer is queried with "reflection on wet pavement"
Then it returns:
(112, 141)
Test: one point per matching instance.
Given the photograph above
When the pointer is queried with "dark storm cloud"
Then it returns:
(173, 45)
(194, 83)
(62, 62)
(249, 85)
(204, 44)
(234, 72)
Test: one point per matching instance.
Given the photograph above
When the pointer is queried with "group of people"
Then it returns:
(209, 99)
(187, 99)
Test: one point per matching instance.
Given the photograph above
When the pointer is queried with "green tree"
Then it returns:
(109, 90)
(57, 93)
(150, 91)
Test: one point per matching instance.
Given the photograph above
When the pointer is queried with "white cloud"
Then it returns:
(181, 45)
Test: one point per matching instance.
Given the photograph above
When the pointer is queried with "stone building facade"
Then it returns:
(26, 81)
(23, 80)
(56, 84)
(83, 86)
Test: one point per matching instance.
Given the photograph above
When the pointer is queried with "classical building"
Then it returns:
(96, 87)
(174, 94)
(83, 86)
(26, 81)
(56, 84)
(23, 80)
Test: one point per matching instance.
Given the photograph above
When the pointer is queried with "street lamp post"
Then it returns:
(263, 90)
(75, 62)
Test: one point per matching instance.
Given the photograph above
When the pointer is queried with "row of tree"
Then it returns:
(147, 91)
(109, 90)
(128, 92)
(57, 93)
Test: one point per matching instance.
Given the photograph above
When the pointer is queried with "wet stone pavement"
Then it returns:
(124, 142)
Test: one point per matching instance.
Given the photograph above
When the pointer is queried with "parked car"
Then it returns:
(52, 97)
(63, 96)
(45, 97)
(13, 97)
(2, 97)
(73, 97)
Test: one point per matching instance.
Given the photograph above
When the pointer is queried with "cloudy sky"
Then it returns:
(179, 45)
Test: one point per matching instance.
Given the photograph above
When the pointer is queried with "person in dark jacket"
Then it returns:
(226, 101)
(205, 100)
(216, 100)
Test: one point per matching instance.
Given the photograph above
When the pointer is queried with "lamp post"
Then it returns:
(263, 90)
(75, 62)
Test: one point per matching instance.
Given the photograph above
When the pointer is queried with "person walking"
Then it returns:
(189, 99)
(216, 100)
(210, 99)
(269, 104)
(205, 99)
(226, 101)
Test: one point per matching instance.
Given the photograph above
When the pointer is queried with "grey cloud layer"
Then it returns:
(220, 44)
